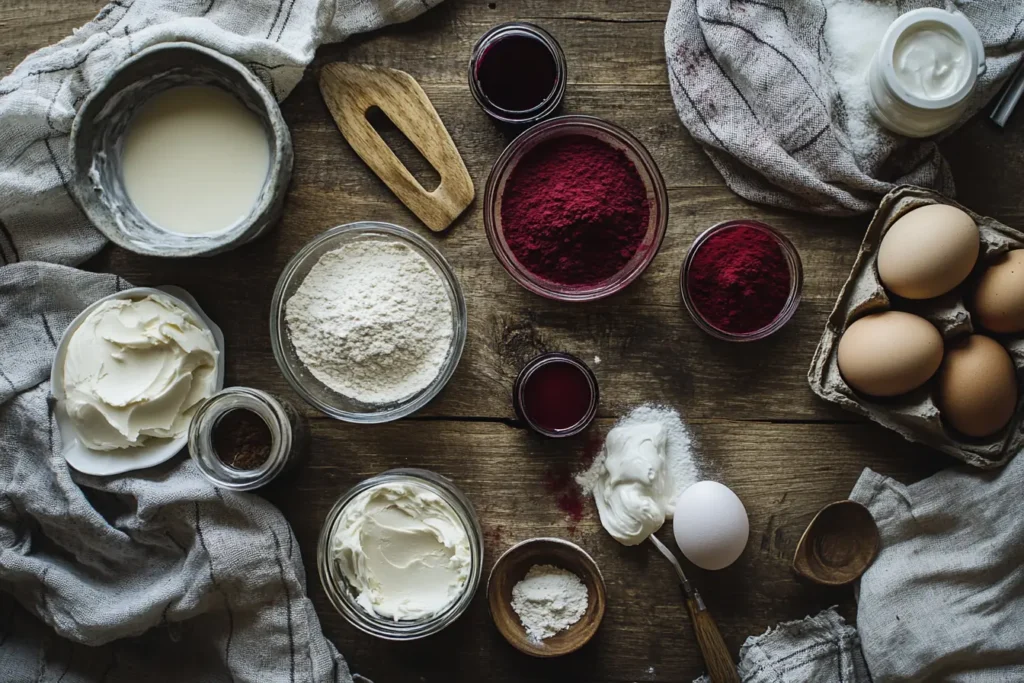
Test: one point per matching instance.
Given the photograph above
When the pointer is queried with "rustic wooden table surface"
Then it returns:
(759, 428)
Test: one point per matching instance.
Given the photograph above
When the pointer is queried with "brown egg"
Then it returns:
(977, 386)
(928, 252)
(999, 297)
(890, 353)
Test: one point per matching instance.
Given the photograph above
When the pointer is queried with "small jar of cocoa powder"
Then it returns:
(242, 438)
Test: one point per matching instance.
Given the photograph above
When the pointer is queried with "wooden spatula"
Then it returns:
(350, 90)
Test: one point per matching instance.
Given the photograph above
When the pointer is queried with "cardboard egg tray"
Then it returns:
(916, 415)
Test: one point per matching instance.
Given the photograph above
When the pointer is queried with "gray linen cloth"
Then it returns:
(818, 649)
(155, 575)
(765, 87)
(944, 600)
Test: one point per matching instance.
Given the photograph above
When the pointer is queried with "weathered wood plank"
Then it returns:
(780, 471)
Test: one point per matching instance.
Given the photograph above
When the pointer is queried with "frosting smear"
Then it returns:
(403, 550)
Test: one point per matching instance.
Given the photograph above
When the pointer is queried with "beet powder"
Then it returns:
(739, 280)
(557, 396)
(575, 210)
(517, 73)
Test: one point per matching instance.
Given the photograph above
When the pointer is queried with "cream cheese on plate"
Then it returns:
(136, 369)
(403, 550)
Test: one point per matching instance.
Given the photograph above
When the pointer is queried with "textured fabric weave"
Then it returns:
(818, 649)
(754, 83)
(152, 576)
(944, 601)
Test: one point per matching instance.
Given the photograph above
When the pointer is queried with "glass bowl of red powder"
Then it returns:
(741, 280)
(575, 209)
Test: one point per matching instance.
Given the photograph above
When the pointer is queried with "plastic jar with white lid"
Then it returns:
(924, 71)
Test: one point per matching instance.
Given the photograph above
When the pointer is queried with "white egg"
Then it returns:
(710, 525)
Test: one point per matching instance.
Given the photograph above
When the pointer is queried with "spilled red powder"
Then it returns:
(560, 481)
(494, 536)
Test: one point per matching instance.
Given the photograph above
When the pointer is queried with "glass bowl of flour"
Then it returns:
(368, 322)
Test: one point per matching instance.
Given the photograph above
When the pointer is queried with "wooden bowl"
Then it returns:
(510, 569)
(839, 544)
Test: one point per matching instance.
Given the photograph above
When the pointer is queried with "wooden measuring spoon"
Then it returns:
(839, 544)
(350, 90)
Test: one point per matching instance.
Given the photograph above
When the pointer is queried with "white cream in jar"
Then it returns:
(195, 160)
(922, 76)
(403, 550)
(931, 61)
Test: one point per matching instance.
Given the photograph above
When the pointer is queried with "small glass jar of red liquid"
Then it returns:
(556, 395)
(741, 280)
(517, 73)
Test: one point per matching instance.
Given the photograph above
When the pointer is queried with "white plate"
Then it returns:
(154, 451)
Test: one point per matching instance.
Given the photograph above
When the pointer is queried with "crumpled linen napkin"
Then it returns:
(818, 649)
(153, 575)
(176, 579)
(944, 601)
(760, 84)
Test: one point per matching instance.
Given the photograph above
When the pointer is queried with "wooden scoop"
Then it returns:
(350, 90)
(839, 544)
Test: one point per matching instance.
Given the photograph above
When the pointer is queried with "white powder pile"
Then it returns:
(372, 321)
(853, 32)
(646, 462)
(549, 600)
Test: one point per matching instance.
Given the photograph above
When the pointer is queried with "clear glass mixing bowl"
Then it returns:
(312, 389)
(343, 597)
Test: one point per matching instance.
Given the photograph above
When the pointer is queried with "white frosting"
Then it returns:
(635, 492)
(404, 551)
(931, 61)
(137, 369)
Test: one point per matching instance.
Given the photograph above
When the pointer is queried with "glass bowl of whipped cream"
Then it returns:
(368, 322)
(434, 559)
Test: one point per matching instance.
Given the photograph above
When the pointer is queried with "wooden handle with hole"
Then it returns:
(720, 665)
(350, 90)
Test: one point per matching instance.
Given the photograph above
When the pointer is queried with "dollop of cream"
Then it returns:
(931, 62)
(635, 491)
(404, 551)
(136, 369)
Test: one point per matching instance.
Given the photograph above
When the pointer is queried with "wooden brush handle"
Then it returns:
(721, 668)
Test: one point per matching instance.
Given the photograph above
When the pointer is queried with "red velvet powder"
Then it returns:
(568, 497)
(557, 396)
(574, 210)
(739, 280)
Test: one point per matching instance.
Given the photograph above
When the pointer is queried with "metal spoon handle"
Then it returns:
(721, 668)
(1010, 97)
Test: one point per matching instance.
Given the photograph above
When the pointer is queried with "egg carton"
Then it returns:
(916, 415)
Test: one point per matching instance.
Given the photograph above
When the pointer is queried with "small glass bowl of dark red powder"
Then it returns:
(556, 395)
(741, 280)
(575, 209)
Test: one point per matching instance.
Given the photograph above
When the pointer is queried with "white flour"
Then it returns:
(853, 32)
(549, 600)
(646, 462)
(372, 321)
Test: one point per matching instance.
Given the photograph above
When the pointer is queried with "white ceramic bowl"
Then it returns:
(154, 451)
